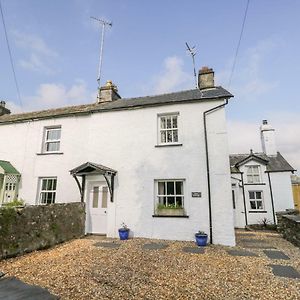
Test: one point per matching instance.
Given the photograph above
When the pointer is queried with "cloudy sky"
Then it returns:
(55, 48)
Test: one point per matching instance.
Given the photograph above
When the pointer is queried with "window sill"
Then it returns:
(169, 216)
(257, 211)
(50, 153)
(258, 183)
(168, 145)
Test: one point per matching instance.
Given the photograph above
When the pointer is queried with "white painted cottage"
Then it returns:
(261, 182)
(157, 163)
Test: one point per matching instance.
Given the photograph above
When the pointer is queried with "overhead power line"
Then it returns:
(238, 45)
(10, 57)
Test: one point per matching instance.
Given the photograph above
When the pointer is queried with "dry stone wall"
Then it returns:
(39, 227)
(289, 226)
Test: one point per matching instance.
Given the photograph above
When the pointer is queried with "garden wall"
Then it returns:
(289, 226)
(39, 227)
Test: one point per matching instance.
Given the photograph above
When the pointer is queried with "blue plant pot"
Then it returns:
(201, 239)
(123, 234)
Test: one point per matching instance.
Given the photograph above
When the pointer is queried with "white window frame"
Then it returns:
(166, 130)
(252, 175)
(166, 195)
(43, 191)
(255, 200)
(47, 141)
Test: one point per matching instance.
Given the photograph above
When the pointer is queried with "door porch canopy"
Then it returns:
(90, 168)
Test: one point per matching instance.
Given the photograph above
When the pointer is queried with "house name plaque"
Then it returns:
(196, 194)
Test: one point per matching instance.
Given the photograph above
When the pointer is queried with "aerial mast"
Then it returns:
(104, 24)
(192, 52)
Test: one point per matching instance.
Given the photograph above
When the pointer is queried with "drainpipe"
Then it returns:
(272, 200)
(244, 198)
(207, 165)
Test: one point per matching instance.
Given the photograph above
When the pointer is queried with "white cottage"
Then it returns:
(261, 183)
(157, 163)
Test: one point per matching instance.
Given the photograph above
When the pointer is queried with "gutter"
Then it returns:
(205, 113)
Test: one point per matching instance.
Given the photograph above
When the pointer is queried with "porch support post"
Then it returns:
(82, 188)
(110, 185)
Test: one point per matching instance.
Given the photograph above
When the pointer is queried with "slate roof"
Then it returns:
(8, 167)
(274, 163)
(91, 167)
(122, 104)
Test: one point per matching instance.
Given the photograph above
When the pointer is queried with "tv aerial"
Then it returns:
(104, 25)
(192, 52)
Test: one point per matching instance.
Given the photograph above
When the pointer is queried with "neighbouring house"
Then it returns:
(9, 182)
(296, 191)
(157, 163)
(261, 182)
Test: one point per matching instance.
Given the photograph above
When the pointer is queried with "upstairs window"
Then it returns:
(256, 200)
(52, 139)
(253, 174)
(47, 192)
(168, 129)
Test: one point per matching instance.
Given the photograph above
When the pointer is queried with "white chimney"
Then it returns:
(267, 135)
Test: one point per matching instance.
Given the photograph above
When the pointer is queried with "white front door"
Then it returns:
(96, 214)
(238, 207)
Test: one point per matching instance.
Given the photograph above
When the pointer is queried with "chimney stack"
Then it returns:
(3, 109)
(206, 78)
(267, 135)
(108, 93)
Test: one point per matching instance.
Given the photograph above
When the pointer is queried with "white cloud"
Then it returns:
(39, 54)
(248, 81)
(52, 95)
(172, 77)
(33, 42)
(245, 135)
(35, 63)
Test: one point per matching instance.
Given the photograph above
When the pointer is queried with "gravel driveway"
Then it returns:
(81, 270)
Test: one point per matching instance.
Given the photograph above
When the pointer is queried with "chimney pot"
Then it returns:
(206, 78)
(265, 122)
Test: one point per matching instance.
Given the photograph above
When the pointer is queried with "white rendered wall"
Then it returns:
(282, 190)
(125, 141)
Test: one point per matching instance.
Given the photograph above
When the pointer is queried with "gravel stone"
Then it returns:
(79, 270)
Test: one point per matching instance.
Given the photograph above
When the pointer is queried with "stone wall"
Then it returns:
(39, 227)
(289, 226)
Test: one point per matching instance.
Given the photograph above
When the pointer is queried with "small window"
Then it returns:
(256, 200)
(52, 139)
(95, 196)
(47, 192)
(104, 196)
(253, 174)
(168, 129)
(169, 197)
